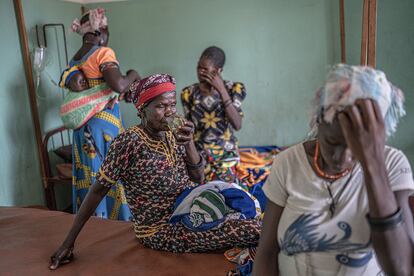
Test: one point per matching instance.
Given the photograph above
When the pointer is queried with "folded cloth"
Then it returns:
(206, 206)
(79, 107)
(209, 206)
(254, 168)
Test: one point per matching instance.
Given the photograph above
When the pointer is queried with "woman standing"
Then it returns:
(91, 142)
(214, 107)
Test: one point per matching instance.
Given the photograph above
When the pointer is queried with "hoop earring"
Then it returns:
(144, 122)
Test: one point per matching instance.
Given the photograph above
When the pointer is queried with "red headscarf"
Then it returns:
(149, 88)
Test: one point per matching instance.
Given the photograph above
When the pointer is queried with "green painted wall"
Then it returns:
(395, 55)
(19, 169)
(279, 49)
(49, 95)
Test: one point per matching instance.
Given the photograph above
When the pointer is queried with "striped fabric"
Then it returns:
(95, 82)
(209, 206)
(79, 107)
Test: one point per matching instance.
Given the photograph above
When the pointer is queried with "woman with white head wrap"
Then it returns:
(91, 141)
(338, 203)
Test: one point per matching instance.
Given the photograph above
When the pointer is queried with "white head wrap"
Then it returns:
(345, 83)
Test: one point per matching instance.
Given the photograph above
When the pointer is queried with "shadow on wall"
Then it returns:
(23, 168)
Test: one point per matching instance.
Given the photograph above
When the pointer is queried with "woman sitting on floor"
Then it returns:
(338, 204)
(214, 107)
(155, 166)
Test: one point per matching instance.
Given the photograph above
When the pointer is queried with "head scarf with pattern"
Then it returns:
(97, 20)
(149, 88)
(345, 83)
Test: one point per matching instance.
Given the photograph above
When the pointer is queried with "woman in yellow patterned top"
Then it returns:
(214, 107)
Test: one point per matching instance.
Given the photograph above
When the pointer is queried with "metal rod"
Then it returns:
(372, 30)
(342, 26)
(37, 36)
(30, 84)
(62, 141)
(364, 40)
(64, 37)
(69, 137)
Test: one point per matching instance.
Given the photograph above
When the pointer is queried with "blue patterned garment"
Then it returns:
(90, 145)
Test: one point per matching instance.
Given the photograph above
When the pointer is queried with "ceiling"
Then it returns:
(92, 1)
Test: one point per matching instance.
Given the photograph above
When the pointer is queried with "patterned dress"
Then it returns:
(91, 141)
(154, 173)
(214, 134)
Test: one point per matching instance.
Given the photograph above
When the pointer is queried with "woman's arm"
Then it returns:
(116, 81)
(117, 161)
(393, 247)
(403, 201)
(266, 260)
(93, 198)
(195, 163)
(232, 113)
(364, 131)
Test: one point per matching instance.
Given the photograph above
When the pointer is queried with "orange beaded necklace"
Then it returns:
(320, 172)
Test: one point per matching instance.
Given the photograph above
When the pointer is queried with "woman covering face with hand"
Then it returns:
(213, 105)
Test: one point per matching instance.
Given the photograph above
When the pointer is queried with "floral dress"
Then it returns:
(214, 134)
(153, 174)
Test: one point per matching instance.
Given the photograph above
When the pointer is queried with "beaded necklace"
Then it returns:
(164, 148)
(322, 173)
(334, 200)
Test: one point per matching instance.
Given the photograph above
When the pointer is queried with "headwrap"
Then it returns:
(66, 75)
(149, 88)
(97, 20)
(345, 83)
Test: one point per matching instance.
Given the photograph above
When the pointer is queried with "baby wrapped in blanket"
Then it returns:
(81, 102)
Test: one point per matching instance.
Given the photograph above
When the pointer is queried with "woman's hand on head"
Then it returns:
(185, 133)
(364, 130)
(63, 255)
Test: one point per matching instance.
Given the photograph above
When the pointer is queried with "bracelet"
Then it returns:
(387, 223)
(227, 103)
(196, 166)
